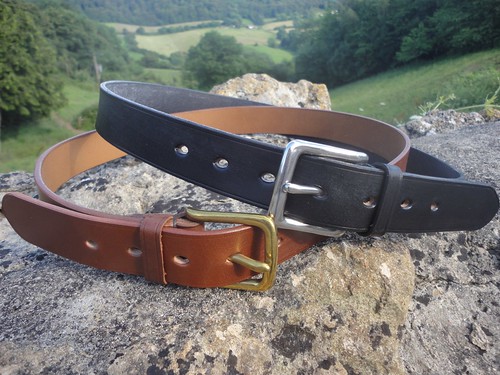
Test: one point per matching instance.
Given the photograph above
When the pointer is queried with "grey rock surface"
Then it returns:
(453, 323)
(339, 306)
(435, 122)
(420, 304)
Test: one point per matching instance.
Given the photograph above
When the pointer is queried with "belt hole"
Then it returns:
(268, 177)
(221, 163)
(180, 260)
(135, 252)
(406, 204)
(181, 150)
(322, 195)
(369, 202)
(92, 245)
(434, 206)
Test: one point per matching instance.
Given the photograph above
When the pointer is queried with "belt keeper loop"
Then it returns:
(389, 196)
(152, 247)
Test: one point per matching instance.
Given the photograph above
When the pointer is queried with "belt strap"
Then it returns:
(168, 249)
(163, 248)
(431, 196)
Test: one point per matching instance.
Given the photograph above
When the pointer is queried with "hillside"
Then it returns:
(392, 96)
(160, 12)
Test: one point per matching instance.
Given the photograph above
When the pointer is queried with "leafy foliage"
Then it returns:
(41, 43)
(160, 12)
(82, 45)
(359, 38)
(217, 58)
(213, 60)
(86, 119)
(28, 84)
(456, 26)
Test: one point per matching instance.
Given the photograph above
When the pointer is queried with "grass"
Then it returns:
(275, 25)
(80, 95)
(119, 27)
(392, 96)
(171, 77)
(277, 55)
(170, 43)
(20, 147)
(396, 95)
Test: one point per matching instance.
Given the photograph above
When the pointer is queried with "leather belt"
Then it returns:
(312, 190)
(164, 248)
(325, 191)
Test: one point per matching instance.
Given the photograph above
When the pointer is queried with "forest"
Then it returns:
(44, 42)
(360, 38)
(160, 12)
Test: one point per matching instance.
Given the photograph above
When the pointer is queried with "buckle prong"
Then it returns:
(284, 186)
(250, 263)
(292, 188)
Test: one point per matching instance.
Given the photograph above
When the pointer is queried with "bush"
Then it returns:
(86, 119)
(472, 88)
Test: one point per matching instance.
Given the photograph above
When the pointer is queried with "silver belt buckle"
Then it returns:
(284, 186)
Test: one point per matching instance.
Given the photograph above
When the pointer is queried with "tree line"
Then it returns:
(161, 12)
(39, 45)
(359, 38)
(356, 39)
(44, 41)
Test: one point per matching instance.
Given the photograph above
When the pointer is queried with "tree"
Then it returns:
(81, 43)
(28, 84)
(213, 60)
(359, 38)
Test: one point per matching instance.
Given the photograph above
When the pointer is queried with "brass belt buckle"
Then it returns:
(264, 223)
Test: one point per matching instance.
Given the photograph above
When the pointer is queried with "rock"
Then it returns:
(452, 326)
(434, 122)
(22, 182)
(265, 89)
(340, 307)
(491, 114)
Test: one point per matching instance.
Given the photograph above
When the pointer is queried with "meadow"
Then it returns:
(395, 95)
(20, 147)
(392, 96)
(167, 44)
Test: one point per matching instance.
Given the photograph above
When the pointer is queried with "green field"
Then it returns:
(277, 55)
(120, 27)
(393, 97)
(271, 26)
(20, 147)
(169, 43)
(170, 77)
(79, 95)
(396, 95)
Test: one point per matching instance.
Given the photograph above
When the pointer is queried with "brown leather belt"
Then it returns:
(167, 248)
(164, 248)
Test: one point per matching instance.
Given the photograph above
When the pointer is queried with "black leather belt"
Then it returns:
(308, 187)
(347, 175)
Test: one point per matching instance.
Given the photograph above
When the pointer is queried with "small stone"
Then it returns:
(479, 338)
